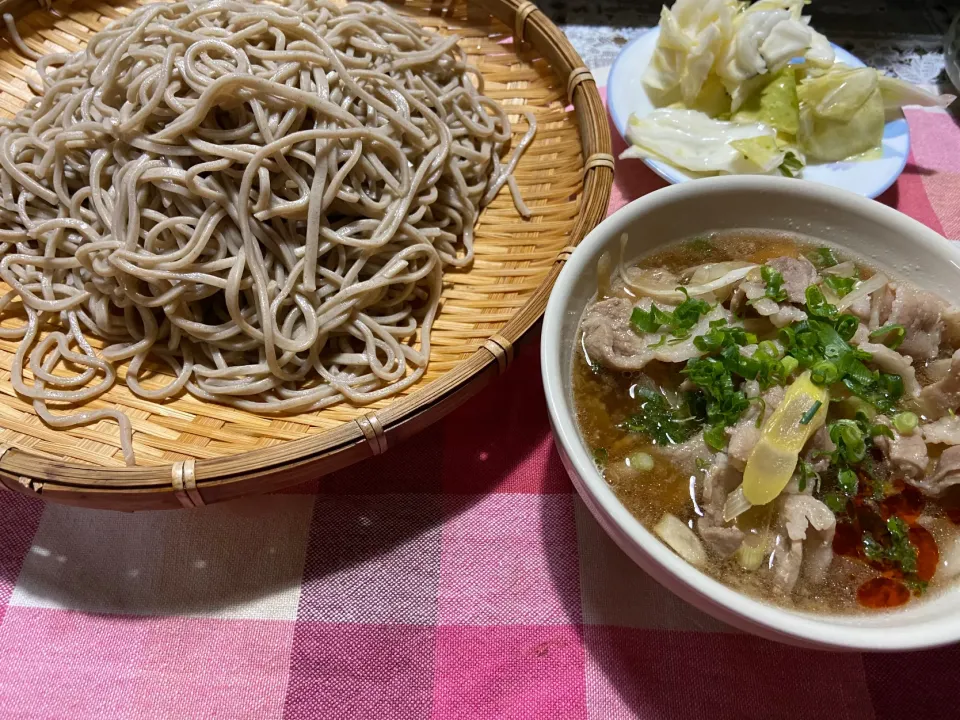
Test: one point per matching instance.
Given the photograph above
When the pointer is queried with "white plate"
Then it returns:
(626, 95)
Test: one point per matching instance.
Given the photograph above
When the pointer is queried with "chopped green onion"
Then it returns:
(808, 415)
(840, 285)
(822, 258)
(771, 349)
(848, 482)
(817, 304)
(641, 461)
(890, 335)
(905, 422)
(649, 321)
(807, 473)
(824, 373)
(774, 284)
(681, 319)
(846, 326)
(848, 437)
(750, 555)
(789, 364)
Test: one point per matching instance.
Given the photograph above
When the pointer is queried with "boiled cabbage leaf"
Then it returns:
(897, 94)
(693, 141)
(841, 113)
(765, 37)
(692, 34)
(776, 104)
(843, 110)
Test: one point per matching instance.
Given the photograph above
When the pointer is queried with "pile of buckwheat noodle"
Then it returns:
(263, 198)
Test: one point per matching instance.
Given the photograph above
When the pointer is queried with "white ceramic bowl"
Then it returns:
(874, 232)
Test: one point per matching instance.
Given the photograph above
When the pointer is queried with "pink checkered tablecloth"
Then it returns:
(457, 576)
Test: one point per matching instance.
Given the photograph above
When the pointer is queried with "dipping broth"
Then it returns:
(781, 415)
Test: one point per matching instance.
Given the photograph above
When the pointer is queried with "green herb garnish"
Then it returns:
(715, 436)
(905, 422)
(720, 336)
(841, 286)
(774, 282)
(824, 372)
(847, 482)
(791, 165)
(660, 421)
(808, 415)
(649, 321)
(678, 322)
(822, 258)
(849, 439)
(807, 473)
(815, 340)
(893, 547)
(917, 586)
(817, 305)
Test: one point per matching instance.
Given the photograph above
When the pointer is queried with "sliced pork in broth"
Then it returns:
(782, 416)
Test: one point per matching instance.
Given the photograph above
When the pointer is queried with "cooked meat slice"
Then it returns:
(798, 275)
(921, 315)
(765, 307)
(745, 434)
(686, 454)
(946, 474)
(808, 525)
(787, 314)
(743, 438)
(945, 431)
(937, 370)
(723, 541)
(861, 308)
(938, 399)
(611, 341)
(816, 449)
(890, 361)
(753, 289)
(608, 338)
(906, 453)
(881, 303)
(719, 481)
(786, 560)
(737, 299)
(951, 325)
(862, 335)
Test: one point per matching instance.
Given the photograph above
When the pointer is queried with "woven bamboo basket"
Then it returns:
(192, 453)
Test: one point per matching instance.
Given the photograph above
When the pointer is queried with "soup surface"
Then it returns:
(779, 414)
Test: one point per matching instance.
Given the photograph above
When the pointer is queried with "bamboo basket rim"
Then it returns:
(193, 483)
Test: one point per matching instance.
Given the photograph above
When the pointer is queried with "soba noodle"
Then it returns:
(262, 198)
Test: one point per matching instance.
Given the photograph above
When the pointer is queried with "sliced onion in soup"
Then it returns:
(681, 539)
